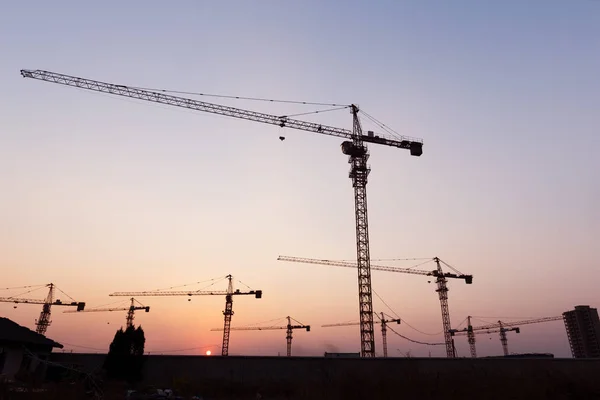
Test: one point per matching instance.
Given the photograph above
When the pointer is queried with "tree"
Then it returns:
(125, 358)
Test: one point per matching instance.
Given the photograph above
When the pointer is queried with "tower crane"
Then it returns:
(289, 330)
(499, 327)
(355, 147)
(382, 320)
(228, 313)
(130, 311)
(44, 321)
(438, 273)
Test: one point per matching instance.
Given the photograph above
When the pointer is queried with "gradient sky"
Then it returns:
(103, 194)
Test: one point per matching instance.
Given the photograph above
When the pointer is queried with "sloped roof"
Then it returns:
(12, 332)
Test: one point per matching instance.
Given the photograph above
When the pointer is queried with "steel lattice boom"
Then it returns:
(43, 322)
(347, 264)
(354, 147)
(499, 327)
(441, 282)
(288, 336)
(228, 313)
(405, 142)
(382, 320)
(130, 311)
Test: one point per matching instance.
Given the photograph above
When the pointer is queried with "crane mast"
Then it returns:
(471, 338)
(131, 313)
(43, 321)
(503, 338)
(384, 323)
(442, 290)
(228, 313)
(354, 148)
(358, 155)
(288, 337)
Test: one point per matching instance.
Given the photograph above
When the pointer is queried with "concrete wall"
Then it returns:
(391, 378)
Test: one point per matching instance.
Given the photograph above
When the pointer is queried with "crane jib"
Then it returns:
(415, 145)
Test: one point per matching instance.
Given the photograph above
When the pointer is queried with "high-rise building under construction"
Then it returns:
(583, 330)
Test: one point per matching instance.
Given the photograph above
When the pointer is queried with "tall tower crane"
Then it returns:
(354, 147)
(44, 321)
(130, 311)
(288, 334)
(499, 327)
(382, 320)
(228, 313)
(441, 282)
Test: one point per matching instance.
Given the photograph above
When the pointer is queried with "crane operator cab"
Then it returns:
(349, 149)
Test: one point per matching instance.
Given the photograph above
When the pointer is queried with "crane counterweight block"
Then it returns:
(416, 149)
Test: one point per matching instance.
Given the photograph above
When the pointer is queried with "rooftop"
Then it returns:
(12, 332)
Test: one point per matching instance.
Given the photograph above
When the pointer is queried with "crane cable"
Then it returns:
(24, 287)
(244, 284)
(190, 284)
(415, 341)
(57, 288)
(221, 96)
(293, 319)
(262, 322)
(396, 259)
(383, 126)
(450, 266)
(314, 112)
(402, 319)
(15, 297)
(108, 304)
(145, 351)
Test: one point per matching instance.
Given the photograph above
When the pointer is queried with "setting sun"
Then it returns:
(208, 352)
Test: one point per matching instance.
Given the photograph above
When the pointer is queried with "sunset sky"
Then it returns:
(103, 194)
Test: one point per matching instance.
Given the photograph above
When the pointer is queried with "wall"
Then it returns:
(319, 377)
(12, 362)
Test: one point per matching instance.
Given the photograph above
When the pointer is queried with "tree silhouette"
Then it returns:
(125, 358)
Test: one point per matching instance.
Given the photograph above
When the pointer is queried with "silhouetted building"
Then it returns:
(22, 351)
(583, 331)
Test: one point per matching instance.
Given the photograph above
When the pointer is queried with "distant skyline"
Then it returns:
(105, 194)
